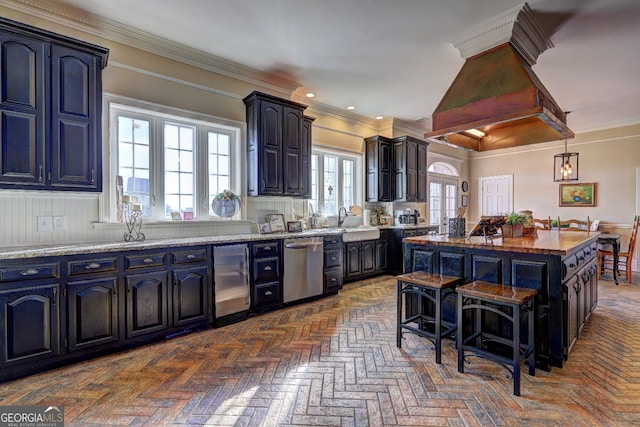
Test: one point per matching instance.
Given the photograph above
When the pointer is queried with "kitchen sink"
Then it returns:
(357, 234)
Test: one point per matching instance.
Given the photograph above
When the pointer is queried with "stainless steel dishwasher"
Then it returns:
(303, 259)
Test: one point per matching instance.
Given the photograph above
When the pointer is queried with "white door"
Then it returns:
(443, 196)
(496, 197)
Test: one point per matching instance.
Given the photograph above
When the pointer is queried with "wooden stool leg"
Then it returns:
(531, 339)
(460, 335)
(399, 320)
(438, 325)
(516, 350)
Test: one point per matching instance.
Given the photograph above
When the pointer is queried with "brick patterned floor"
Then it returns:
(334, 362)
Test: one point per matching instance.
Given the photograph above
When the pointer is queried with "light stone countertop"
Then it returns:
(62, 249)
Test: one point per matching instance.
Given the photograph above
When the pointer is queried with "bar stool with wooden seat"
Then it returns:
(508, 303)
(414, 290)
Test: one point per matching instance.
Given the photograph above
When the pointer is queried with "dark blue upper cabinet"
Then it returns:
(50, 110)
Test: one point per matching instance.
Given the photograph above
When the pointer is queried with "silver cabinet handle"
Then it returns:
(147, 260)
(268, 293)
(92, 265)
(333, 258)
(267, 248)
(191, 256)
(29, 272)
(267, 268)
(333, 279)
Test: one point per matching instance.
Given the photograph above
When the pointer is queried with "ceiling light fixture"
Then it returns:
(565, 165)
(310, 95)
(351, 107)
(379, 117)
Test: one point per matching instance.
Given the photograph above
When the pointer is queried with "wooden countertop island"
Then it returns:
(561, 266)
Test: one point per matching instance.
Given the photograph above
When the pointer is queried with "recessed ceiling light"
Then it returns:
(351, 107)
(379, 117)
(310, 94)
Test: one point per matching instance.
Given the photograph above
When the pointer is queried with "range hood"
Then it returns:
(495, 102)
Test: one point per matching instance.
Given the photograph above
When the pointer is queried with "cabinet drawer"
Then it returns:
(145, 260)
(266, 249)
(332, 278)
(189, 256)
(29, 271)
(569, 266)
(333, 258)
(332, 241)
(266, 294)
(266, 269)
(88, 266)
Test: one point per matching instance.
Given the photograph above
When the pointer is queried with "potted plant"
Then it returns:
(514, 224)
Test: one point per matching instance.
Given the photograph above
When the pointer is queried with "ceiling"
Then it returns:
(396, 58)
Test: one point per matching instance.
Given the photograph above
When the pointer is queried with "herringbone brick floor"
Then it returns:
(334, 362)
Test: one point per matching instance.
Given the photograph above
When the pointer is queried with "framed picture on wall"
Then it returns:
(465, 200)
(577, 194)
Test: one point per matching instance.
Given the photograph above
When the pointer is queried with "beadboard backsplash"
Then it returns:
(81, 215)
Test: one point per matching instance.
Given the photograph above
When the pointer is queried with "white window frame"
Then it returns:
(358, 181)
(161, 113)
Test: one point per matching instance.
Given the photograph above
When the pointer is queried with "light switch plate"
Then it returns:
(58, 222)
(45, 223)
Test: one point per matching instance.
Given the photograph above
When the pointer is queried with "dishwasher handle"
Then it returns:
(292, 245)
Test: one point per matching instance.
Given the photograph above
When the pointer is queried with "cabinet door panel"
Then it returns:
(92, 312)
(368, 257)
(75, 112)
(190, 296)
(271, 148)
(452, 264)
(147, 301)
(353, 262)
(30, 323)
(22, 114)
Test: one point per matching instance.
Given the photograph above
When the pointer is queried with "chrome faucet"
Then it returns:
(340, 217)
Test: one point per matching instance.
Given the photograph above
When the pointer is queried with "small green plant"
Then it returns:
(515, 218)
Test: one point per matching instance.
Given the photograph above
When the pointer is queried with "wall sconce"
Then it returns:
(565, 166)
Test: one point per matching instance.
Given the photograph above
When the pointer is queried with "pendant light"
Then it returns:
(565, 166)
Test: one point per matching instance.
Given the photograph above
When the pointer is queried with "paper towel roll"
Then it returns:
(366, 217)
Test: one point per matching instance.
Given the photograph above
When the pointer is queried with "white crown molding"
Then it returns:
(111, 30)
(517, 26)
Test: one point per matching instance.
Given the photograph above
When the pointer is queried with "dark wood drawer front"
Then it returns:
(194, 255)
(333, 258)
(145, 261)
(266, 294)
(99, 265)
(29, 271)
(269, 249)
(333, 278)
(332, 241)
(266, 269)
(569, 266)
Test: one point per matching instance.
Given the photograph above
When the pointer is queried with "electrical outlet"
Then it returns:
(58, 222)
(45, 223)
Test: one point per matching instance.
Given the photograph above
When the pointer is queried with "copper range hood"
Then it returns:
(497, 93)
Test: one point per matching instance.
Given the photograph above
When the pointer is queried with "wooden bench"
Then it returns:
(508, 303)
(420, 297)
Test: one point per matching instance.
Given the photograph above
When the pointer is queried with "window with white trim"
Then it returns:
(172, 163)
(335, 181)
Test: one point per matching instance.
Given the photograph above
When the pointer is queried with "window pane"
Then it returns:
(435, 207)
(171, 136)
(347, 183)
(219, 165)
(171, 183)
(186, 138)
(314, 183)
(133, 159)
(330, 185)
(171, 160)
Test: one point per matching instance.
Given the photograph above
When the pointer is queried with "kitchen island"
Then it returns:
(561, 266)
